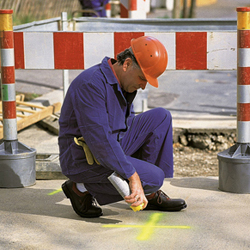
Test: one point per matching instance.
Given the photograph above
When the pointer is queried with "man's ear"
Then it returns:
(127, 63)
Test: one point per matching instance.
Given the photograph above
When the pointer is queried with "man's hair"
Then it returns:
(127, 53)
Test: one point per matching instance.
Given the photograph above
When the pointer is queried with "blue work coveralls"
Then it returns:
(96, 109)
(96, 5)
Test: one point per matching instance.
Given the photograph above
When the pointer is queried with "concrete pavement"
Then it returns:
(40, 217)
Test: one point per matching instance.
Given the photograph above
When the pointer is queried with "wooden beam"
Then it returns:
(37, 116)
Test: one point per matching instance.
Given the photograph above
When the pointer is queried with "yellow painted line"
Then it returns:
(55, 192)
(141, 226)
(148, 228)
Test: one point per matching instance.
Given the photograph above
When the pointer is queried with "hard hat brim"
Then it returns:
(152, 81)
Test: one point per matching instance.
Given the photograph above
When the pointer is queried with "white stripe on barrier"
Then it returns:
(7, 57)
(39, 50)
(221, 50)
(168, 40)
(244, 57)
(243, 131)
(9, 90)
(96, 47)
(10, 129)
(243, 93)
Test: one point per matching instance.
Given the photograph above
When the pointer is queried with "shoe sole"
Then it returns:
(67, 193)
(174, 209)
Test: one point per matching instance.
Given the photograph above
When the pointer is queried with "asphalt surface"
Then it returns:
(40, 216)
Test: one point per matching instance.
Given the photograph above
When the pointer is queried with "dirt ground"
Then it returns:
(190, 161)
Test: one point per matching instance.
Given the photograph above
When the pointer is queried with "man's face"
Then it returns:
(133, 78)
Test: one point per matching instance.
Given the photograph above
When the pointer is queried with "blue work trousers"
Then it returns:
(148, 145)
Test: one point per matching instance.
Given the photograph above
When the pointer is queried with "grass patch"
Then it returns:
(18, 20)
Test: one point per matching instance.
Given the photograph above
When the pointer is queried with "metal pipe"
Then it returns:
(64, 19)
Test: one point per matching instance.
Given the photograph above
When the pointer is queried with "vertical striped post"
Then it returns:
(234, 163)
(17, 162)
(108, 10)
(243, 75)
(8, 76)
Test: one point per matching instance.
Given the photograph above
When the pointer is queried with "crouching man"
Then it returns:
(100, 134)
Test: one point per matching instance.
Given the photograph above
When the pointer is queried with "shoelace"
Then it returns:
(159, 199)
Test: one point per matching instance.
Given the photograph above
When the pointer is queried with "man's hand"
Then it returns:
(137, 196)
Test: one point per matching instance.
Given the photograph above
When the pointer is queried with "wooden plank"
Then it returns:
(35, 117)
(39, 115)
(29, 104)
(26, 110)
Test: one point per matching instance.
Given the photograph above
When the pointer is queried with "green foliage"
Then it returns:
(17, 20)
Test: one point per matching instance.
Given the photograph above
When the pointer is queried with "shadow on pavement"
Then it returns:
(38, 202)
(206, 183)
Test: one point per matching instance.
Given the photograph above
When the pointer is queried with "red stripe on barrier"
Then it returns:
(243, 112)
(7, 40)
(132, 4)
(243, 37)
(68, 50)
(122, 40)
(243, 76)
(123, 11)
(8, 74)
(19, 50)
(9, 110)
(191, 50)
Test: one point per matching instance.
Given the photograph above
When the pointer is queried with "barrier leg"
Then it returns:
(17, 161)
(234, 163)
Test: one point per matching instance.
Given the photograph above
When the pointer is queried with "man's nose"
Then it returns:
(143, 85)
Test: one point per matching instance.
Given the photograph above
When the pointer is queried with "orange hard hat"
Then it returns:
(151, 56)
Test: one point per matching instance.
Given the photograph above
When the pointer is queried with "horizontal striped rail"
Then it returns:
(77, 50)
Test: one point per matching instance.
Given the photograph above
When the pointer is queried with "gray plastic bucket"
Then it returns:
(17, 165)
(234, 169)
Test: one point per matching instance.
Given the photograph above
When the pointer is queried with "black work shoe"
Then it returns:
(162, 202)
(82, 203)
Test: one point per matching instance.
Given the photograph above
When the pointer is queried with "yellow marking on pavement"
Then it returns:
(55, 192)
(148, 228)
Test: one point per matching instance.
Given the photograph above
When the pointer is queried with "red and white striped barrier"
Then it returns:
(77, 50)
(8, 77)
(243, 76)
